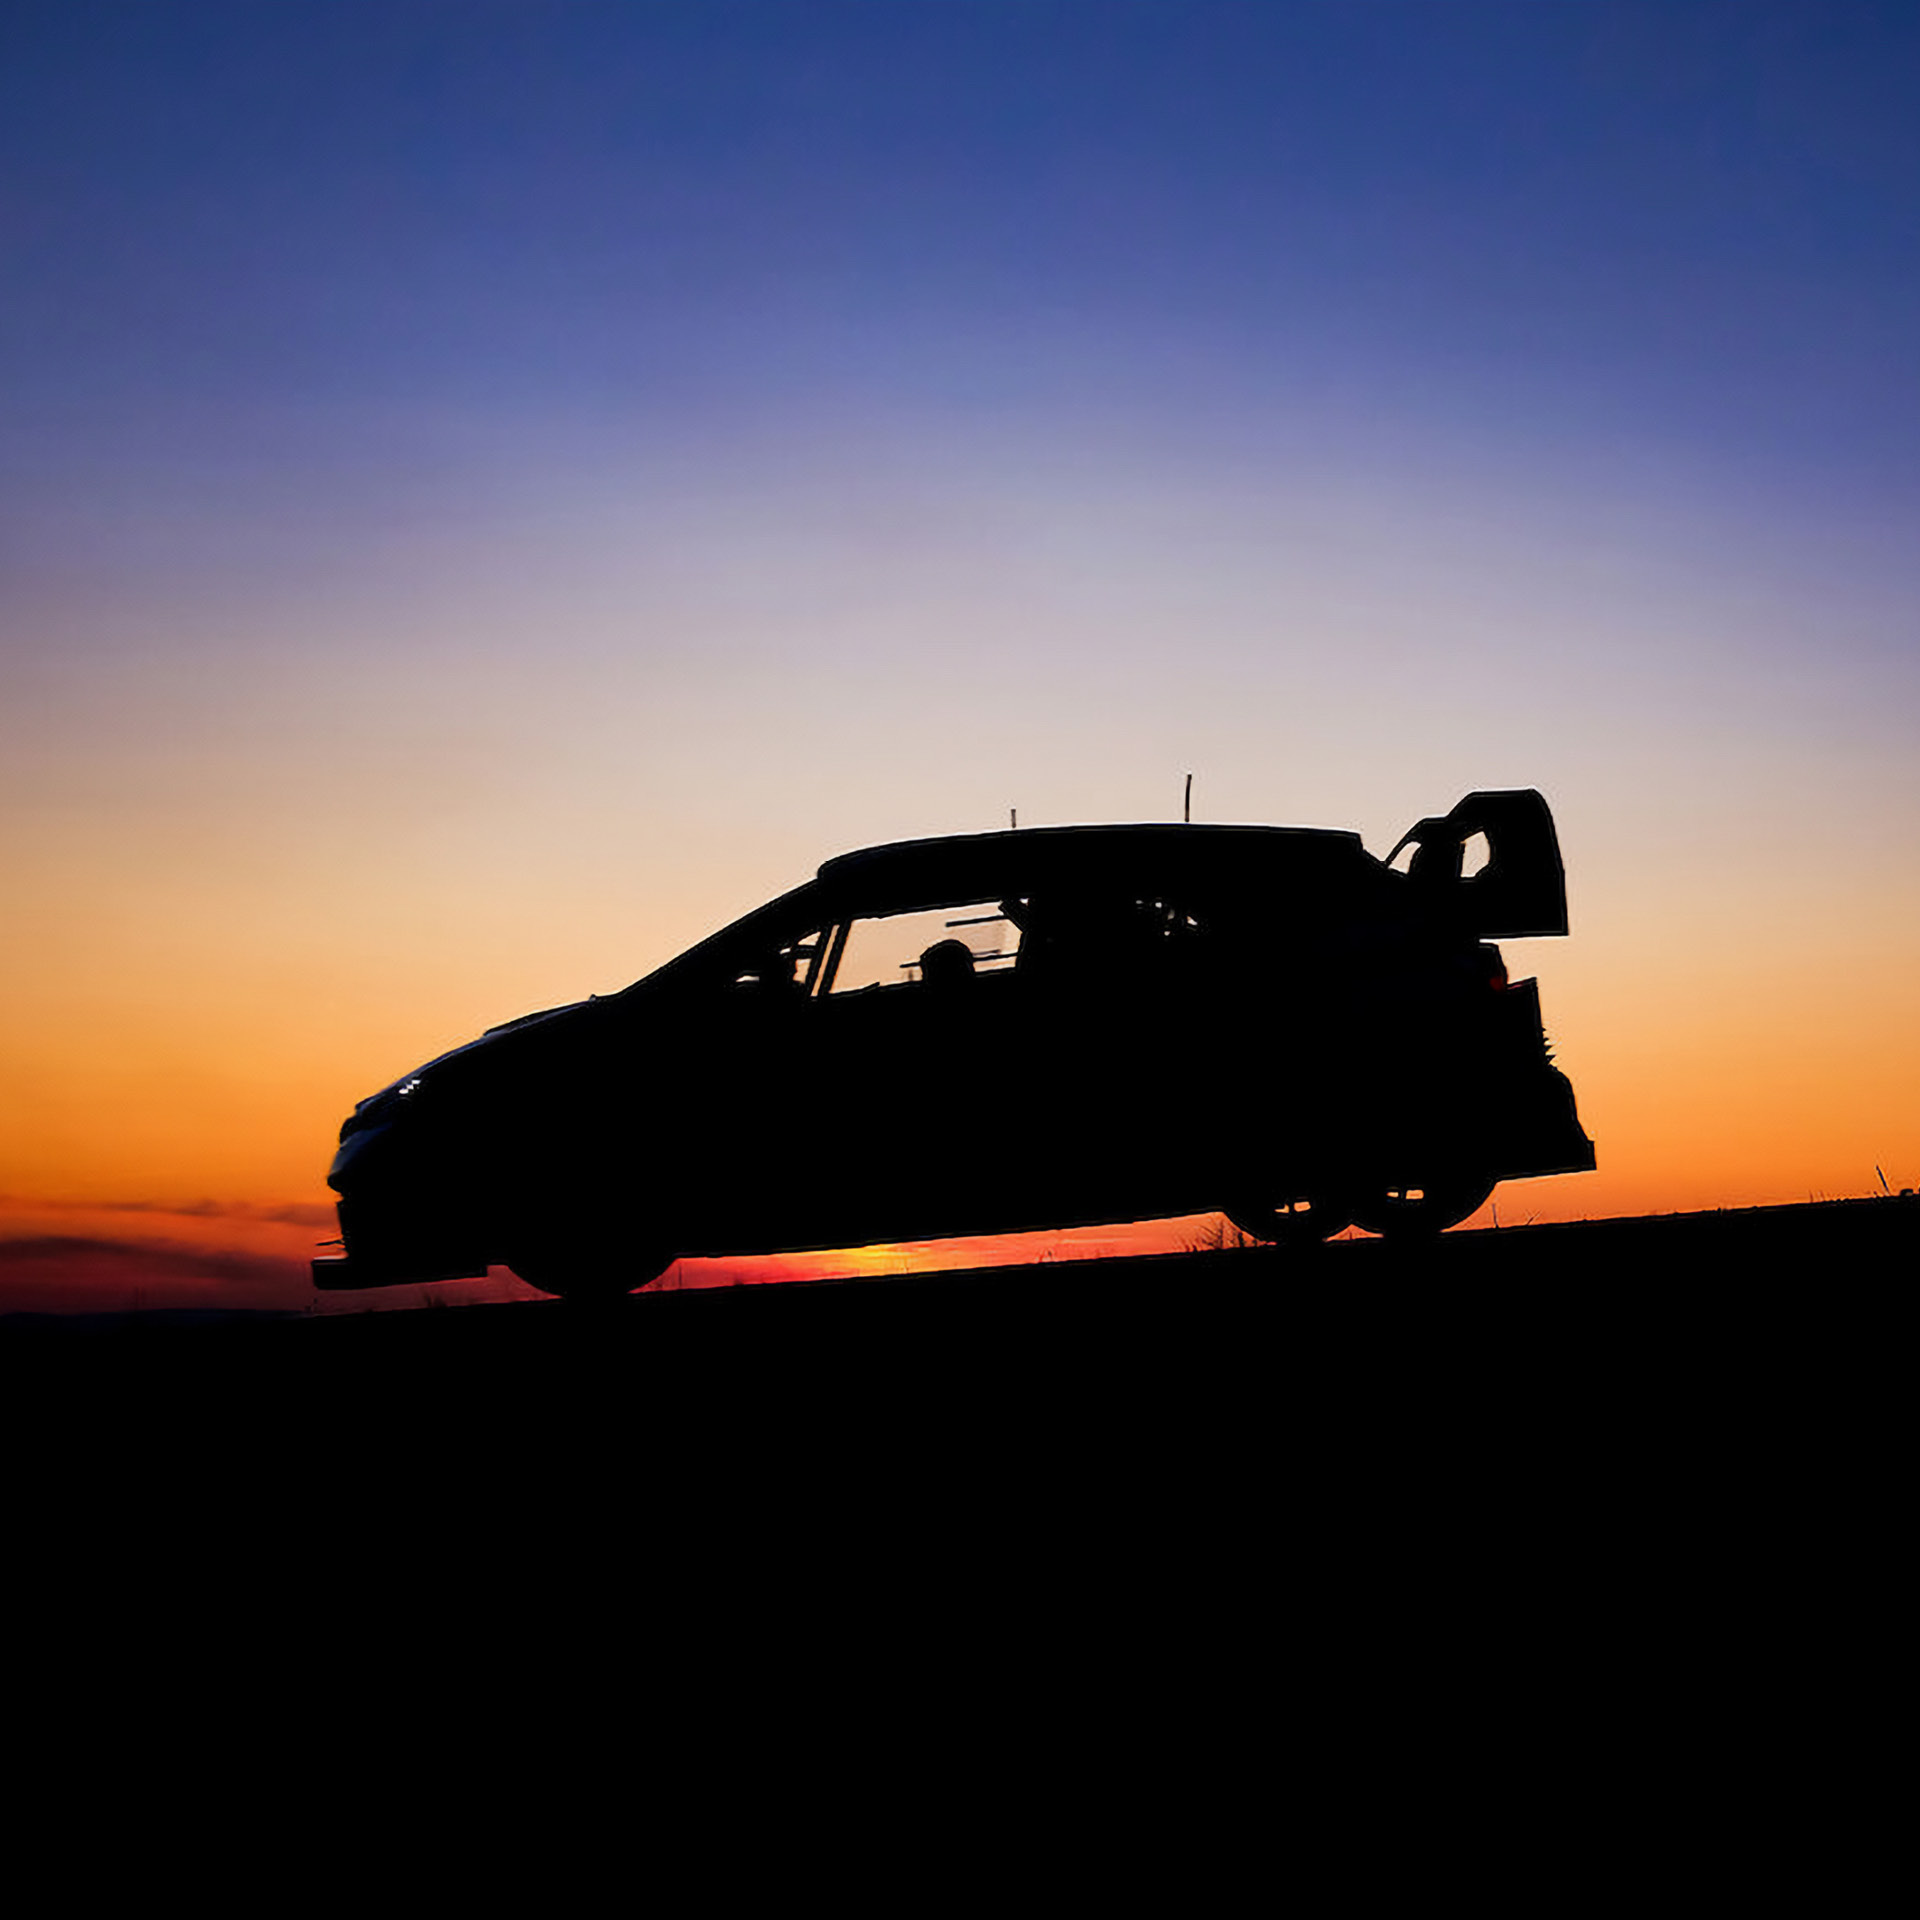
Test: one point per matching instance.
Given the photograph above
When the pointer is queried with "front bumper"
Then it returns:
(345, 1272)
(406, 1215)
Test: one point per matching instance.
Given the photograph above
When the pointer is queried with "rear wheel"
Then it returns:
(1409, 1212)
(1299, 1223)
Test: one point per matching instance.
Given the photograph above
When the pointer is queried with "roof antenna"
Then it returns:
(1186, 812)
(1013, 819)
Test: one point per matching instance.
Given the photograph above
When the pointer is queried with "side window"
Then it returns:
(935, 948)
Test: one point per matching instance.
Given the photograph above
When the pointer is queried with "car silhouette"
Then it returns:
(1041, 1028)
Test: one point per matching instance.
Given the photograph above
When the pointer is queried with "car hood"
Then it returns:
(496, 1044)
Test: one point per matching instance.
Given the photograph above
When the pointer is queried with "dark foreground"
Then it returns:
(1622, 1464)
(1771, 1305)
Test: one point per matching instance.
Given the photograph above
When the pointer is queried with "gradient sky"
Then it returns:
(489, 492)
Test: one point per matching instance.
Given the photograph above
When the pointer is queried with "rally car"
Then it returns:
(997, 1032)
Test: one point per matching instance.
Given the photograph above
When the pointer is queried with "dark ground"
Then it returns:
(1635, 1487)
(1679, 1317)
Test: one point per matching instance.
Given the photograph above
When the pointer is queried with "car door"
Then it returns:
(914, 1017)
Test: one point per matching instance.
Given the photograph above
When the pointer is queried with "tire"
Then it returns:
(1301, 1223)
(1402, 1213)
(586, 1272)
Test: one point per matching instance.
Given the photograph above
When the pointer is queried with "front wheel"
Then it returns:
(578, 1271)
(1410, 1212)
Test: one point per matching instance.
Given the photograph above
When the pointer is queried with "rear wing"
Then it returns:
(1521, 890)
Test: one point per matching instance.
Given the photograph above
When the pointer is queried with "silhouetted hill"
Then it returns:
(1530, 1425)
(1798, 1281)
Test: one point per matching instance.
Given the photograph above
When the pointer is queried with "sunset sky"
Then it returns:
(491, 491)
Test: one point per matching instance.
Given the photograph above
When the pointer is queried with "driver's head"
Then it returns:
(945, 962)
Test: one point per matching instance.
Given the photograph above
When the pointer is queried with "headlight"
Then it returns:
(380, 1108)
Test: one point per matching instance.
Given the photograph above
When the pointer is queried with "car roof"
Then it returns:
(908, 875)
(943, 872)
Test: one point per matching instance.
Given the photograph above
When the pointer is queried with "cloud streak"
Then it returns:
(293, 1213)
(69, 1272)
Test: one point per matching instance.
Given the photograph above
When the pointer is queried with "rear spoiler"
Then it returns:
(1521, 890)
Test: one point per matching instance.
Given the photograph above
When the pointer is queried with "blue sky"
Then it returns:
(330, 238)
